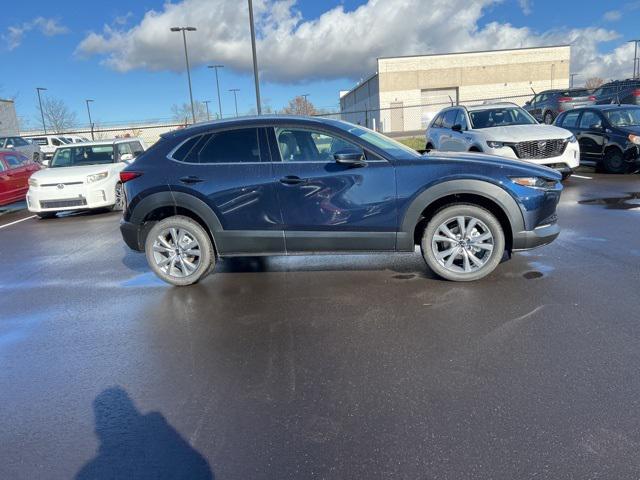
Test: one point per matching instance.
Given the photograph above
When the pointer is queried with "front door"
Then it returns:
(231, 172)
(330, 206)
(591, 135)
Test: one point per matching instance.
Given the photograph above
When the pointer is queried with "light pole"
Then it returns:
(255, 58)
(572, 76)
(44, 126)
(88, 101)
(305, 103)
(184, 31)
(636, 60)
(235, 97)
(216, 67)
(553, 69)
(206, 104)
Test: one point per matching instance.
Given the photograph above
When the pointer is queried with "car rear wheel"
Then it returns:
(613, 162)
(46, 215)
(463, 243)
(119, 195)
(548, 118)
(179, 251)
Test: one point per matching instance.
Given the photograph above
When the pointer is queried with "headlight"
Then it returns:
(572, 139)
(96, 177)
(634, 139)
(493, 144)
(33, 182)
(534, 182)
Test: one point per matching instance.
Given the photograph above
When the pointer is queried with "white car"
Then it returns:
(506, 130)
(74, 138)
(19, 144)
(83, 176)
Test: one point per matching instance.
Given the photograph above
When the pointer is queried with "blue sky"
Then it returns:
(107, 53)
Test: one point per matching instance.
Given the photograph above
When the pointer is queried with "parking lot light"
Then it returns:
(186, 57)
(235, 97)
(44, 126)
(216, 67)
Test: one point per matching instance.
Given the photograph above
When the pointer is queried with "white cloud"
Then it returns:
(337, 44)
(47, 26)
(613, 15)
(526, 6)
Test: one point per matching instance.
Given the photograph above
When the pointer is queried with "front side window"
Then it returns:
(449, 118)
(297, 145)
(56, 142)
(124, 149)
(570, 120)
(624, 117)
(389, 146)
(87, 155)
(437, 123)
(500, 117)
(590, 120)
(136, 148)
(461, 120)
(39, 141)
(20, 142)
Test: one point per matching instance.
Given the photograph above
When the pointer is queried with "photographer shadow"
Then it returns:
(139, 446)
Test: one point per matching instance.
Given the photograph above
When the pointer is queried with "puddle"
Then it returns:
(533, 275)
(404, 277)
(632, 200)
(144, 280)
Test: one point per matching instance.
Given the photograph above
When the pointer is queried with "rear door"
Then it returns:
(6, 188)
(328, 206)
(231, 172)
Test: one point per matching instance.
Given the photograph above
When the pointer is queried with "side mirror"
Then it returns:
(527, 103)
(457, 128)
(126, 157)
(596, 126)
(350, 158)
(9, 146)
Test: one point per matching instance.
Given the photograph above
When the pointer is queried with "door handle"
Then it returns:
(191, 179)
(292, 180)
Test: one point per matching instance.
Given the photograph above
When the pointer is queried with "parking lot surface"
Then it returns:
(323, 366)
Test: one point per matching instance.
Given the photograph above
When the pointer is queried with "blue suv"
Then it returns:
(279, 185)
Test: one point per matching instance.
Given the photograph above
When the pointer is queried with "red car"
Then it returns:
(15, 170)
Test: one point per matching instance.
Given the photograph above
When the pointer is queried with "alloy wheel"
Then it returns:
(462, 244)
(177, 252)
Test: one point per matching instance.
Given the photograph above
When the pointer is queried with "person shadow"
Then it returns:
(139, 446)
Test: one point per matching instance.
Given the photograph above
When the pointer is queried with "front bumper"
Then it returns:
(538, 237)
(51, 198)
(566, 162)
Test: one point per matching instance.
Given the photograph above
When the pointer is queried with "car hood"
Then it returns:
(634, 130)
(494, 161)
(524, 133)
(73, 174)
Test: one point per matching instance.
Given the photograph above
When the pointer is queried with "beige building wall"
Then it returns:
(8, 119)
(406, 84)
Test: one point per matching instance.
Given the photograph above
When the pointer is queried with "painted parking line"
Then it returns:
(580, 176)
(17, 221)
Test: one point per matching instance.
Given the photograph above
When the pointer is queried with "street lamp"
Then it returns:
(206, 104)
(636, 60)
(44, 126)
(235, 97)
(216, 67)
(186, 57)
(255, 58)
(305, 103)
(571, 81)
(88, 101)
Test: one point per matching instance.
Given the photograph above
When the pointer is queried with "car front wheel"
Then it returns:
(463, 243)
(179, 251)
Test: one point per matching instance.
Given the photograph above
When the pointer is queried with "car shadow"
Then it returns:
(139, 446)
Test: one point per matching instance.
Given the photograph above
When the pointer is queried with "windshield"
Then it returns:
(82, 155)
(625, 117)
(500, 117)
(392, 147)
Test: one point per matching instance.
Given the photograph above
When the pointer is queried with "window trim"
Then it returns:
(169, 155)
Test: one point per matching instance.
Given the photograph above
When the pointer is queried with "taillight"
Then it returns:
(636, 92)
(592, 98)
(565, 99)
(126, 176)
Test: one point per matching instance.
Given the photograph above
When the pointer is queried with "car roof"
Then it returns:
(255, 121)
(489, 106)
(111, 141)
(608, 106)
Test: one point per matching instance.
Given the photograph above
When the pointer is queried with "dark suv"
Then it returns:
(621, 92)
(277, 185)
(546, 106)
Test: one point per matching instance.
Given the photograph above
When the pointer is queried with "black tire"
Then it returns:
(613, 162)
(46, 215)
(548, 118)
(119, 205)
(485, 220)
(194, 231)
(475, 150)
(566, 175)
(429, 147)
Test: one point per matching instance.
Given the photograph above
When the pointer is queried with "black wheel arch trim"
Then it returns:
(447, 188)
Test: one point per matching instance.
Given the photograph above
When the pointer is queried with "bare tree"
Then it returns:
(300, 106)
(57, 115)
(593, 82)
(182, 113)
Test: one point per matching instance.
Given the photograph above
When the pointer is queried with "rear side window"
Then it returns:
(570, 119)
(234, 146)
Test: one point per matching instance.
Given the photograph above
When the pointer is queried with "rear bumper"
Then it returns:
(132, 235)
(535, 238)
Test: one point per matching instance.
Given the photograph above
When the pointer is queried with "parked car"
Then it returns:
(48, 145)
(15, 170)
(275, 185)
(82, 176)
(506, 130)
(618, 92)
(546, 106)
(75, 138)
(609, 135)
(19, 144)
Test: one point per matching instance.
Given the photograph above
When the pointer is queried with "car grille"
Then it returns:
(76, 202)
(540, 149)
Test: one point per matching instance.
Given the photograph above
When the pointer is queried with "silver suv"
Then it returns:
(19, 144)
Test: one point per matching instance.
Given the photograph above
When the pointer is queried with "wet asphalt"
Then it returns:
(330, 367)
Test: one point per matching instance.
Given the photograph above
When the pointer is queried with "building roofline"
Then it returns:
(476, 51)
(7, 100)
(368, 79)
